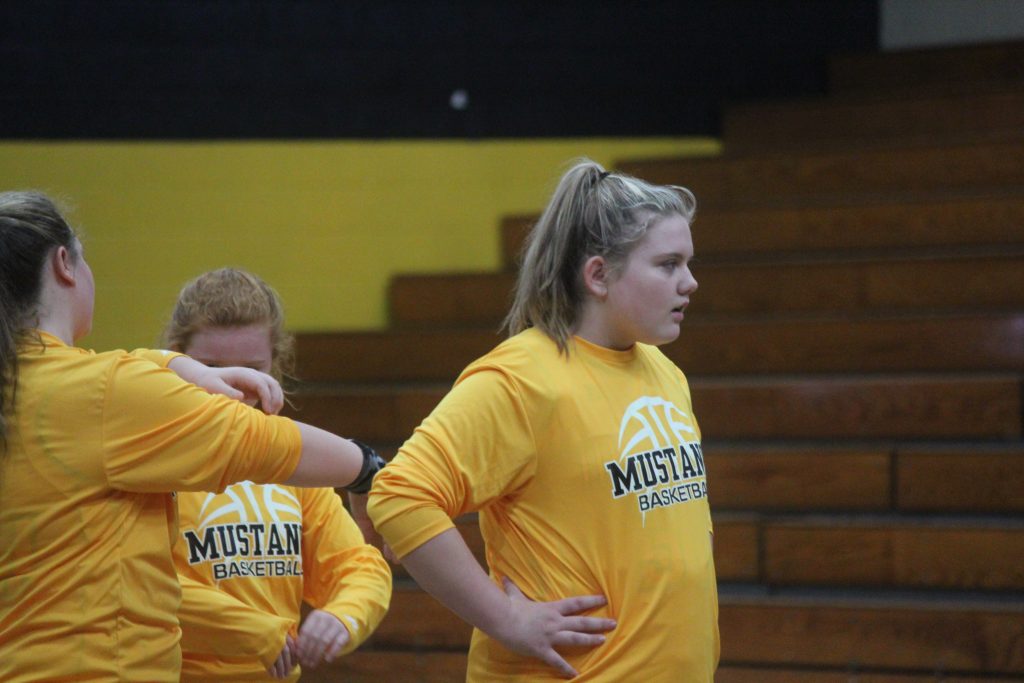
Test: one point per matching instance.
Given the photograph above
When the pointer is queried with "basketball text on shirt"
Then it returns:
(660, 461)
(249, 545)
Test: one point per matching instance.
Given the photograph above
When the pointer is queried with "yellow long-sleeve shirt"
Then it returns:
(95, 443)
(589, 478)
(249, 556)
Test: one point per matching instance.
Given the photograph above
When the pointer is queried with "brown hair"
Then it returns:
(592, 213)
(30, 227)
(230, 297)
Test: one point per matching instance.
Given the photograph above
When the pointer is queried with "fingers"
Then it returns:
(566, 606)
(322, 637)
(335, 648)
(311, 648)
(283, 665)
(587, 624)
(264, 393)
(555, 660)
(288, 656)
(280, 669)
(576, 639)
(270, 393)
(247, 385)
(580, 603)
(256, 386)
(223, 387)
(537, 628)
(276, 398)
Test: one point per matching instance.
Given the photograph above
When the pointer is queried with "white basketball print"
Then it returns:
(652, 423)
(277, 504)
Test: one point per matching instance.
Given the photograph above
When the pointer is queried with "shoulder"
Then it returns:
(129, 370)
(86, 371)
(527, 353)
(656, 358)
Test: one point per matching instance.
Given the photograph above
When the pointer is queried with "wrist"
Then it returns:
(372, 464)
(498, 622)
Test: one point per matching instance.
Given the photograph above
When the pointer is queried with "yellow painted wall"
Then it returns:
(326, 222)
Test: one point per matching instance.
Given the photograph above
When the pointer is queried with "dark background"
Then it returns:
(384, 68)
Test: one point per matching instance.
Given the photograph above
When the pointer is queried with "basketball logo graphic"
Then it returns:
(660, 460)
(655, 423)
(241, 511)
(241, 529)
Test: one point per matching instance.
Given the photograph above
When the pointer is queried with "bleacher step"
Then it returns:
(422, 666)
(870, 122)
(917, 635)
(888, 285)
(841, 230)
(833, 176)
(959, 478)
(961, 407)
(958, 69)
(993, 342)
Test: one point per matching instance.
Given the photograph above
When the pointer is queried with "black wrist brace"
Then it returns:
(372, 464)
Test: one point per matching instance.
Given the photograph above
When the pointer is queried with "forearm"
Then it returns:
(365, 596)
(243, 384)
(445, 568)
(327, 459)
(186, 368)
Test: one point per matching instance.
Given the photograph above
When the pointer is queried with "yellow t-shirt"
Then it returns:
(249, 556)
(95, 443)
(589, 478)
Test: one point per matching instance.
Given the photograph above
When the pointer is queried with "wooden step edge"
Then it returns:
(824, 449)
(781, 318)
(746, 594)
(846, 378)
(940, 521)
(940, 197)
(869, 98)
(774, 672)
(872, 255)
(978, 66)
(789, 157)
(850, 597)
(742, 148)
(387, 388)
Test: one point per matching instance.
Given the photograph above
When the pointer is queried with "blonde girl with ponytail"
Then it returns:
(576, 442)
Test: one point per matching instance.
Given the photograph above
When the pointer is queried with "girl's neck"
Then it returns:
(593, 328)
(62, 332)
(54, 313)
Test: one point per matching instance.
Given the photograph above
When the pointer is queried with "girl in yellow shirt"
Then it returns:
(242, 584)
(92, 445)
(576, 441)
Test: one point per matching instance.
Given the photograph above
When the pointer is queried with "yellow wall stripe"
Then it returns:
(326, 222)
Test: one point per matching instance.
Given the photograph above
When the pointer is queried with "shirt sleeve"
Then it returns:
(217, 624)
(161, 357)
(161, 433)
(343, 575)
(474, 448)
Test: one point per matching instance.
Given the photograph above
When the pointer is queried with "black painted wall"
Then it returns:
(387, 68)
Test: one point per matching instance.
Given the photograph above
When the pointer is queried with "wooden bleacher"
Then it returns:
(856, 353)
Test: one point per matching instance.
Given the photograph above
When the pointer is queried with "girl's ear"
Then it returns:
(63, 264)
(595, 276)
